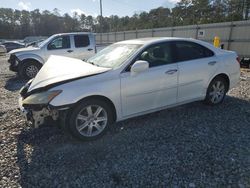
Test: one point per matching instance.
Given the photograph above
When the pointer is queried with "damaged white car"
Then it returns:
(127, 79)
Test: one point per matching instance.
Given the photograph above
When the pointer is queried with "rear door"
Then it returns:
(196, 65)
(154, 88)
(83, 46)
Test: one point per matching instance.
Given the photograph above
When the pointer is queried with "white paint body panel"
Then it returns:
(154, 86)
(148, 91)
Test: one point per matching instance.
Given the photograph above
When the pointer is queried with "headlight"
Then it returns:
(41, 98)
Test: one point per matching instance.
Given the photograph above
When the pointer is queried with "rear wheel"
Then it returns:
(216, 91)
(29, 69)
(90, 119)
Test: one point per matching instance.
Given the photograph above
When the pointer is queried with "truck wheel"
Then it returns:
(29, 69)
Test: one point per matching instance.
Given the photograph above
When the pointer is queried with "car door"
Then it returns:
(196, 65)
(154, 88)
(60, 45)
(83, 47)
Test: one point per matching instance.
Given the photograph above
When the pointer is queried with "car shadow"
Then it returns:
(206, 145)
(14, 83)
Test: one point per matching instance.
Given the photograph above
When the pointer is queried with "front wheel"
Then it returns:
(216, 91)
(29, 69)
(90, 119)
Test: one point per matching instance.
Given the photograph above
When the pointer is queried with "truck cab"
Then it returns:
(28, 61)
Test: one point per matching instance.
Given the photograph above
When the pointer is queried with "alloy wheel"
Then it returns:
(217, 92)
(91, 120)
(31, 71)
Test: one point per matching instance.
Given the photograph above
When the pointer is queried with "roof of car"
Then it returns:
(74, 33)
(153, 39)
(12, 42)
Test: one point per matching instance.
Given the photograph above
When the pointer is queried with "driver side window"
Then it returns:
(157, 55)
(62, 42)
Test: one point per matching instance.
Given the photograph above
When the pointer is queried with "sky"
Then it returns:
(89, 7)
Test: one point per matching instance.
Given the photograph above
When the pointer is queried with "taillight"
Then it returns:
(238, 59)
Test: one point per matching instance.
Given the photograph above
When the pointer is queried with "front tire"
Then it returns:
(216, 91)
(90, 119)
(29, 69)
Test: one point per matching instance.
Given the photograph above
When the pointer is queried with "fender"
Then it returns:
(23, 57)
(217, 73)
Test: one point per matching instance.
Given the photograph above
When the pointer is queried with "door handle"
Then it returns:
(90, 49)
(172, 71)
(212, 63)
(69, 51)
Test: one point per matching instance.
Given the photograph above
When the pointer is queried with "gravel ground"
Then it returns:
(189, 146)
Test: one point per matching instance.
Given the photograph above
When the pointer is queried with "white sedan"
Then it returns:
(127, 79)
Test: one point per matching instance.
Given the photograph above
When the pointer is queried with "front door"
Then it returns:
(154, 88)
(61, 46)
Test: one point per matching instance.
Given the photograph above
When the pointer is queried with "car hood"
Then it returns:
(20, 50)
(60, 69)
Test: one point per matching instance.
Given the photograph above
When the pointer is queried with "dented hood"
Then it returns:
(60, 69)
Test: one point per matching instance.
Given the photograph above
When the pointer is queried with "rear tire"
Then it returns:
(90, 119)
(29, 69)
(216, 91)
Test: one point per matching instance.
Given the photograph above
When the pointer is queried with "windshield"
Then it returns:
(114, 55)
(41, 44)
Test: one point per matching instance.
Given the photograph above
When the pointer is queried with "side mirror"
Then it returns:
(139, 66)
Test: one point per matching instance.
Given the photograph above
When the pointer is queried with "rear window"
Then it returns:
(189, 50)
(81, 41)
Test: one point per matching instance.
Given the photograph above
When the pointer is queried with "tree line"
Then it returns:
(17, 24)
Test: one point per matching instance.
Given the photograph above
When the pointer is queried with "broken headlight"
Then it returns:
(41, 98)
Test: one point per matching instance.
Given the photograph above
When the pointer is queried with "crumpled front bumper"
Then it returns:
(26, 113)
(38, 116)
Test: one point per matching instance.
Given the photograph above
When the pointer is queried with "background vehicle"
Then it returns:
(2, 49)
(245, 63)
(13, 45)
(34, 43)
(128, 79)
(28, 61)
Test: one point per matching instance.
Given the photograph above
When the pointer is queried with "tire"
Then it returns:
(90, 119)
(216, 91)
(29, 69)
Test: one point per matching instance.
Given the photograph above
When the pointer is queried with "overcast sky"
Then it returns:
(89, 7)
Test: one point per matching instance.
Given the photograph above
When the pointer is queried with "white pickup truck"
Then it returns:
(28, 61)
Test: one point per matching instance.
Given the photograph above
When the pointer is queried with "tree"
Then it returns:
(19, 24)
